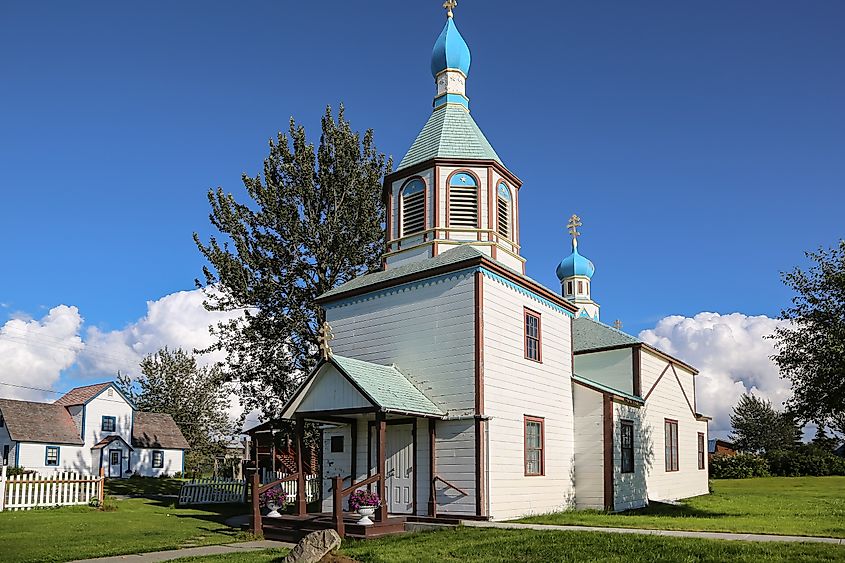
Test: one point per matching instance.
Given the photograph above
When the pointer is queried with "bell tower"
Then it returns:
(451, 188)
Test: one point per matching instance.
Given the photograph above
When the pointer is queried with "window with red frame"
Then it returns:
(671, 452)
(534, 446)
(701, 450)
(532, 336)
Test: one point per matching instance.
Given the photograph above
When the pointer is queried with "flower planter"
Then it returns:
(365, 512)
(274, 510)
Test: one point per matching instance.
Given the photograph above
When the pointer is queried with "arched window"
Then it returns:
(503, 210)
(463, 201)
(413, 207)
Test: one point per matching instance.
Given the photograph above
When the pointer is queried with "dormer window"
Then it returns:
(503, 210)
(413, 207)
(109, 424)
(463, 201)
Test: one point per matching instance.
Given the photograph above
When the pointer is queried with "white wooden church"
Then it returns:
(469, 389)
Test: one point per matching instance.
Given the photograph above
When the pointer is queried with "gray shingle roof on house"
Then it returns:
(157, 430)
(80, 395)
(28, 421)
(452, 256)
(588, 334)
(449, 132)
(387, 387)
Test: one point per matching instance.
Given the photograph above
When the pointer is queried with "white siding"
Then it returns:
(105, 405)
(410, 255)
(629, 489)
(667, 401)
(613, 368)
(589, 448)
(71, 458)
(515, 387)
(331, 390)
(455, 462)
(142, 462)
(426, 330)
(6, 440)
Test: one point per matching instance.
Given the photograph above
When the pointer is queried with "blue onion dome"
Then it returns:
(575, 265)
(450, 51)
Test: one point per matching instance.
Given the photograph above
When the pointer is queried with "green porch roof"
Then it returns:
(607, 389)
(450, 132)
(386, 386)
(588, 334)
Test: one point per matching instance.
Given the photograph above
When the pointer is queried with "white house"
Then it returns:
(88, 428)
(469, 389)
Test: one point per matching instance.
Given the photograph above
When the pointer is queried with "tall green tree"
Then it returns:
(759, 428)
(196, 397)
(811, 349)
(312, 221)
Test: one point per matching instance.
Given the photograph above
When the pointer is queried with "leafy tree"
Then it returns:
(759, 428)
(811, 350)
(196, 397)
(823, 441)
(313, 221)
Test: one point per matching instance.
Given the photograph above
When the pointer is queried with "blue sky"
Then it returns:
(701, 143)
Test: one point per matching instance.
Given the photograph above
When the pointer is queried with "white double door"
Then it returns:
(399, 468)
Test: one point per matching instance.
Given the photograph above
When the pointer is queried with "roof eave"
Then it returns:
(448, 161)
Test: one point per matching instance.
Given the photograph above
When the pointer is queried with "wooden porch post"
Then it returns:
(301, 502)
(337, 504)
(432, 467)
(381, 433)
(256, 526)
(273, 453)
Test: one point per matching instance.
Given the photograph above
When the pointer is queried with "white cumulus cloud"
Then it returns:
(33, 352)
(732, 355)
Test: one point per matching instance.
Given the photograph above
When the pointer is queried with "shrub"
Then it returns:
(805, 460)
(14, 470)
(739, 466)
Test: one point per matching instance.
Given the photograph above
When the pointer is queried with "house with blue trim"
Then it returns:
(89, 428)
(460, 387)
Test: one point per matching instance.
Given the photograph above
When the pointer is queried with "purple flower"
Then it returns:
(362, 498)
(276, 495)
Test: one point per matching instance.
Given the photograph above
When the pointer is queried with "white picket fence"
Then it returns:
(212, 491)
(312, 484)
(22, 492)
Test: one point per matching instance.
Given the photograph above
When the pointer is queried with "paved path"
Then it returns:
(672, 533)
(189, 552)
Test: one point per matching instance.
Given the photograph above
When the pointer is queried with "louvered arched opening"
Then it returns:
(413, 207)
(503, 210)
(463, 200)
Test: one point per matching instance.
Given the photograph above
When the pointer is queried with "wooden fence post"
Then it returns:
(2, 488)
(257, 527)
(102, 495)
(337, 504)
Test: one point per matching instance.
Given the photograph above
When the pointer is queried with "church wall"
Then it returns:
(589, 450)
(339, 464)
(515, 387)
(667, 401)
(330, 391)
(455, 462)
(629, 489)
(425, 329)
(410, 255)
(613, 368)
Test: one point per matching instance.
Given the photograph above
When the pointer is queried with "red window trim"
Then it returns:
(401, 207)
(670, 467)
(702, 464)
(525, 314)
(622, 425)
(542, 422)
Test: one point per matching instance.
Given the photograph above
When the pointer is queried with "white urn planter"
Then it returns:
(365, 512)
(274, 510)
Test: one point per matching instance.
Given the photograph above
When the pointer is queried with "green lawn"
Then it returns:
(802, 506)
(470, 545)
(143, 486)
(138, 525)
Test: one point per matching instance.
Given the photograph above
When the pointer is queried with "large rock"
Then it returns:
(314, 547)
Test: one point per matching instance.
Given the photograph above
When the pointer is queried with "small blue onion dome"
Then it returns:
(575, 265)
(450, 51)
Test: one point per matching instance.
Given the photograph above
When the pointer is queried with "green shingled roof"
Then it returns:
(588, 334)
(450, 132)
(453, 256)
(387, 387)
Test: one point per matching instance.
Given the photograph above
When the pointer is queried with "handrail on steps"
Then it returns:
(339, 493)
(268, 486)
(448, 484)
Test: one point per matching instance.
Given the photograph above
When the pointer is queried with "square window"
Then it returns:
(337, 444)
(52, 456)
(158, 459)
(109, 424)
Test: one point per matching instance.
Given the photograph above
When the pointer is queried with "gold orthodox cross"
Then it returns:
(574, 223)
(324, 337)
(449, 4)
(617, 324)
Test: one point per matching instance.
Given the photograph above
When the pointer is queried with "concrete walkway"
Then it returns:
(670, 533)
(190, 552)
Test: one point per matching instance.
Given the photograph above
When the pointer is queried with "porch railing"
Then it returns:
(258, 488)
(339, 493)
